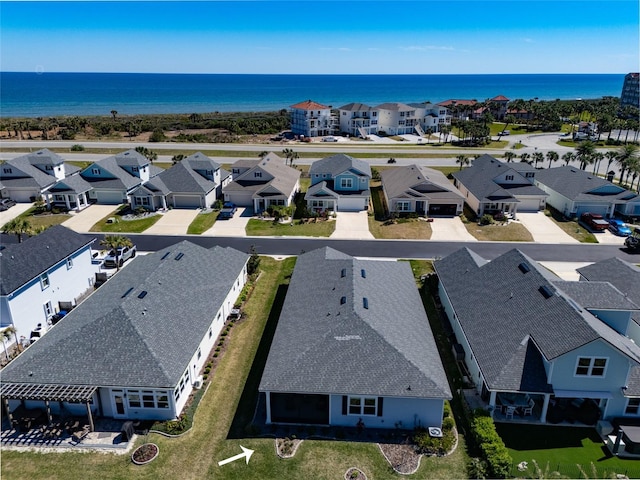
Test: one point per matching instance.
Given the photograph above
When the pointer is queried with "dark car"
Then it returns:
(594, 221)
(618, 227)
(228, 211)
(6, 204)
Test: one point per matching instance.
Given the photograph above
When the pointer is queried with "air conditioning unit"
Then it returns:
(197, 383)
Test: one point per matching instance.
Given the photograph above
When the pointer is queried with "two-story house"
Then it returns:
(553, 350)
(27, 177)
(42, 273)
(430, 117)
(358, 120)
(396, 118)
(491, 186)
(263, 183)
(339, 183)
(312, 119)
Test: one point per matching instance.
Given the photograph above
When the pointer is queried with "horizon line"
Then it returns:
(301, 74)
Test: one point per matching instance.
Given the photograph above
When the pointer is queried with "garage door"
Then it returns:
(22, 195)
(601, 209)
(239, 198)
(187, 201)
(348, 204)
(109, 198)
(444, 209)
(528, 204)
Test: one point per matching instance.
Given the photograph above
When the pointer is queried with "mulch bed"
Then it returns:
(402, 456)
(145, 453)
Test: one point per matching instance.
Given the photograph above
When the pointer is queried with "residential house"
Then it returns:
(312, 119)
(193, 182)
(573, 191)
(491, 186)
(498, 106)
(351, 350)
(27, 177)
(396, 118)
(43, 275)
(70, 193)
(430, 117)
(358, 120)
(262, 183)
(136, 347)
(339, 183)
(560, 346)
(422, 190)
(459, 109)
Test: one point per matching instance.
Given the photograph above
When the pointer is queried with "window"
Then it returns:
(363, 405)
(633, 406)
(48, 309)
(58, 198)
(509, 177)
(591, 366)
(530, 174)
(69, 263)
(163, 401)
(134, 398)
(134, 169)
(199, 353)
(346, 182)
(148, 399)
(210, 332)
(44, 281)
(48, 167)
(7, 170)
(95, 171)
(403, 206)
(180, 388)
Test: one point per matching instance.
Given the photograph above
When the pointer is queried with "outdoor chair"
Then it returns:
(509, 412)
(529, 410)
(80, 434)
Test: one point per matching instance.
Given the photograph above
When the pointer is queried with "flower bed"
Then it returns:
(145, 453)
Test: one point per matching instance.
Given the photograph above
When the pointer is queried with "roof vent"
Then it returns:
(363, 272)
(127, 292)
(142, 294)
(343, 273)
(179, 256)
(365, 303)
(343, 300)
(546, 291)
(524, 268)
(165, 255)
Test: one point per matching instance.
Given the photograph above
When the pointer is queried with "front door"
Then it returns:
(119, 407)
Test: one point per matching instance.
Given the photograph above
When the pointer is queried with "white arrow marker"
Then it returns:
(246, 452)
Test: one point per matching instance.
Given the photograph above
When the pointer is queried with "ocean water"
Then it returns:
(59, 94)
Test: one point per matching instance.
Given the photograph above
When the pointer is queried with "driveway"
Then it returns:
(543, 229)
(608, 238)
(352, 225)
(15, 211)
(83, 221)
(233, 227)
(450, 230)
(173, 222)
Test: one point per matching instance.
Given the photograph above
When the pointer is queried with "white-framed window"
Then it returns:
(210, 332)
(95, 171)
(509, 177)
(346, 182)
(48, 309)
(44, 281)
(58, 198)
(133, 396)
(257, 174)
(69, 263)
(591, 367)
(142, 200)
(134, 169)
(633, 406)
(403, 206)
(181, 385)
(363, 406)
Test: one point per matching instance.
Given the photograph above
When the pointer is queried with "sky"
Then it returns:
(322, 36)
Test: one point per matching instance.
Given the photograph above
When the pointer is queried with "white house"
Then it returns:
(312, 119)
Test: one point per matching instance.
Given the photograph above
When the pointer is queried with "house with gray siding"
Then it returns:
(348, 349)
(136, 347)
(564, 347)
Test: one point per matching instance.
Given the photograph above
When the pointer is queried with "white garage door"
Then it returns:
(349, 204)
(528, 204)
(187, 201)
(109, 198)
(22, 195)
(239, 198)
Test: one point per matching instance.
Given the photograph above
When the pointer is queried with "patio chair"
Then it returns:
(529, 410)
(509, 412)
(78, 435)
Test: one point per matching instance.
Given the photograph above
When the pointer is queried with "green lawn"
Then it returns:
(124, 226)
(257, 228)
(562, 449)
(404, 228)
(46, 220)
(202, 222)
(571, 227)
(513, 232)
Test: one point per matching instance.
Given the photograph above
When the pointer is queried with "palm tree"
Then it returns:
(509, 156)
(584, 151)
(290, 155)
(552, 157)
(537, 157)
(626, 157)
(462, 160)
(114, 243)
(524, 157)
(428, 133)
(6, 336)
(611, 156)
(445, 130)
(568, 158)
(114, 113)
(263, 154)
(149, 154)
(19, 226)
(177, 158)
(597, 157)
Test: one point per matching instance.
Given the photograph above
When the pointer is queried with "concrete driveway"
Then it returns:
(450, 230)
(352, 225)
(173, 222)
(233, 227)
(543, 229)
(15, 211)
(608, 238)
(82, 221)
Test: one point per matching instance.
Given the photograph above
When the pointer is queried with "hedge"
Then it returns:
(494, 452)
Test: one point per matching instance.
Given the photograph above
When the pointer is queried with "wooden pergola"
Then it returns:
(47, 393)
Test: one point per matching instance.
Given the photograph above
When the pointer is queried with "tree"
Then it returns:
(289, 155)
(611, 156)
(114, 243)
(177, 158)
(524, 157)
(626, 158)
(597, 157)
(537, 157)
(254, 261)
(114, 113)
(568, 158)
(149, 154)
(263, 154)
(19, 226)
(428, 132)
(552, 157)
(584, 152)
(509, 156)
(462, 160)
(6, 336)
(445, 130)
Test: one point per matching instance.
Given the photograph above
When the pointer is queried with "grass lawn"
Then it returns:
(571, 227)
(257, 228)
(124, 226)
(46, 220)
(202, 223)
(561, 449)
(512, 232)
(406, 229)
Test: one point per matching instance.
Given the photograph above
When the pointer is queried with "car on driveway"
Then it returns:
(228, 211)
(594, 221)
(117, 259)
(6, 204)
(618, 227)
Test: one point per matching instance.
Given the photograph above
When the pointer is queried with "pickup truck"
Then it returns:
(228, 210)
(117, 259)
(594, 221)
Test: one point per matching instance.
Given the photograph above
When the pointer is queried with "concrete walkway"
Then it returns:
(543, 229)
(233, 227)
(173, 222)
(352, 225)
(450, 230)
(83, 221)
(15, 211)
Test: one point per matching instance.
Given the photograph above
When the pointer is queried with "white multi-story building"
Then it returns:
(312, 119)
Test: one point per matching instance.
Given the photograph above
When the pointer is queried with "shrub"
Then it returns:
(494, 453)
(486, 219)
(157, 136)
(215, 355)
(499, 217)
(448, 423)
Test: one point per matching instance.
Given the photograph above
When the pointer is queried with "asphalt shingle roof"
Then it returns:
(418, 181)
(115, 338)
(183, 177)
(337, 164)
(32, 175)
(284, 179)
(330, 341)
(22, 262)
(120, 178)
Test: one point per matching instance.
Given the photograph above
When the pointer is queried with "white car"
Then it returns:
(114, 259)
(329, 139)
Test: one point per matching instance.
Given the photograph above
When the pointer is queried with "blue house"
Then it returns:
(339, 183)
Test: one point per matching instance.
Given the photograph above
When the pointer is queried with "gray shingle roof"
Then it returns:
(356, 107)
(501, 306)
(284, 179)
(394, 106)
(418, 181)
(183, 177)
(120, 178)
(74, 184)
(599, 295)
(22, 262)
(119, 339)
(327, 340)
(340, 163)
(31, 175)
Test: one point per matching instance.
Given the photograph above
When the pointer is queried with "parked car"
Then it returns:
(114, 259)
(618, 227)
(329, 139)
(6, 204)
(228, 211)
(632, 242)
(594, 221)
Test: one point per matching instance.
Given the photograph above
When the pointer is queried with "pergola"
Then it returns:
(47, 393)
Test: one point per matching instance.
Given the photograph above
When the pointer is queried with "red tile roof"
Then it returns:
(309, 105)
(446, 103)
(500, 98)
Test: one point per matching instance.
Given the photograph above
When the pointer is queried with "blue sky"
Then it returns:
(322, 36)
